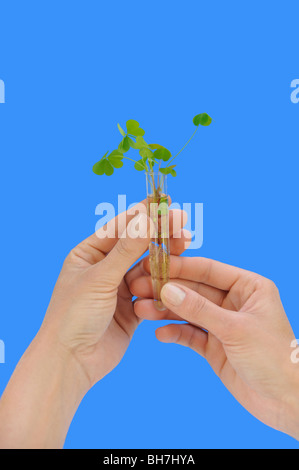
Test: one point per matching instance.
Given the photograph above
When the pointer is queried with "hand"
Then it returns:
(237, 323)
(91, 311)
(86, 331)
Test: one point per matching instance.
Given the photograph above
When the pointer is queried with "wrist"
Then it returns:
(68, 367)
(42, 396)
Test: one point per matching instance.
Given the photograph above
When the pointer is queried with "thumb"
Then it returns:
(132, 244)
(196, 309)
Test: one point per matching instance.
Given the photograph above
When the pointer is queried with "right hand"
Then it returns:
(236, 321)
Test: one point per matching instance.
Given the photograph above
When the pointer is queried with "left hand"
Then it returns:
(86, 331)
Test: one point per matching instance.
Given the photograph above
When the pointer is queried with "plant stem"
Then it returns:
(131, 159)
(183, 147)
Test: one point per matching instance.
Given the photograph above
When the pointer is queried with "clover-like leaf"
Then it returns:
(108, 168)
(155, 146)
(131, 125)
(202, 119)
(121, 130)
(168, 170)
(162, 154)
(140, 142)
(146, 153)
(133, 128)
(132, 143)
(99, 167)
(138, 132)
(151, 154)
(115, 158)
(116, 153)
(124, 145)
(140, 165)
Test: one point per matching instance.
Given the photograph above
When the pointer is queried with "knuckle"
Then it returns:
(179, 335)
(254, 280)
(71, 257)
(267, 286)
(191, 343)
(272, 286)
(208, 270)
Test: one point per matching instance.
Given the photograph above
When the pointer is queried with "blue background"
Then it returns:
(72, 70)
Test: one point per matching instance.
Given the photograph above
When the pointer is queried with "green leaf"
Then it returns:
(133, 128)
(145, 153)
(140, 165)
(132, 125)
(116, 160)
(168, 170)
(108, 168)
(124, 145)
(104, 156)
(165, 171)
(155, 146)
(121, 130)
(132, 143)
(98, 168)
(162, 154)
(140, 142)
(203, 119)
(116, 153)
(138, 132)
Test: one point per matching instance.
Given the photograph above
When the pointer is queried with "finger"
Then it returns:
(180, 241)
(145, 309)
(104, 239)
(142, 287)
(136, 272)
(185, 335)
(207, 271)
(177, 246)
(132, 244)
(196, 309)
(177, 220)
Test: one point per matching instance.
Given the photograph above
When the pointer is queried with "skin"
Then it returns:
(236, 321)
(86, 331)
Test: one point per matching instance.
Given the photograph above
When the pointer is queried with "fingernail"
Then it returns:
(173, 294)
(138, 226)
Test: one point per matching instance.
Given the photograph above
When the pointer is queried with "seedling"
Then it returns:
(157, 162)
